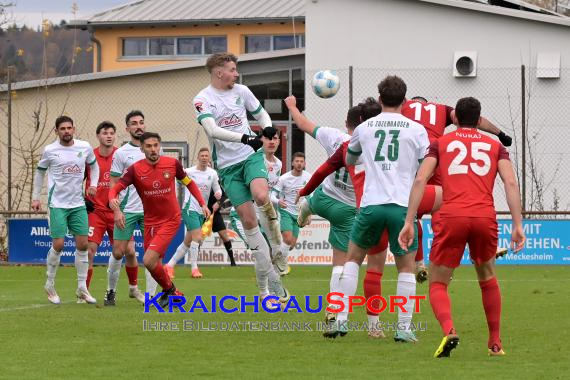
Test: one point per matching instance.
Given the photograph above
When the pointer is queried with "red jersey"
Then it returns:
(434, 117)
(469, 162)
(156, 186)
(101, 199)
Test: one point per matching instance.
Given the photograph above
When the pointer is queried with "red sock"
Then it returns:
(441, 305)
(160, 275)
(420, 251)
(491, 295)
(132, 274)
(372, 285)
(89, 275)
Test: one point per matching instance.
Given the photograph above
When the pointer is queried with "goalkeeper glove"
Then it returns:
(252, 141)
(505, 139)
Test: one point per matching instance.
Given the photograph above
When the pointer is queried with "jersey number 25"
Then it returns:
(479, 152)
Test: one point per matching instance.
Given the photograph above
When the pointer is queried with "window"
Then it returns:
(161, 46)
(173, 46)
(188, 46)
(134, 47)
(255, 44)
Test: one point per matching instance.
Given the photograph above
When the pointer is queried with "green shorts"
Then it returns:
(73, 219)
(340, 215)
(289, 223)
(131, 221)
(372, 220)
(236, 178)
(192, 219)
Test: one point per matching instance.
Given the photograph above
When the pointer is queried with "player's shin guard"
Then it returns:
(81, 266)
(52, 263)
(347, 285)
(335, 278)
(194, 250)
(372, 286)
(179, 254)
(441, 305)
(113, 272)
(151, 283)
(406, 287)
(260, 251)
(491, 295)
(270, 224)
(132, 274)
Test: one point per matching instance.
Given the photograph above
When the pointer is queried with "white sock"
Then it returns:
(263, 267)
(373, 322)
(406, 287)
(113, 272)
(151, 283)
(179, 254)
(194, 250)
(52, 262)
(81, 266)
(285, 248)
(347, 285)
(270, 224)
(335, 278)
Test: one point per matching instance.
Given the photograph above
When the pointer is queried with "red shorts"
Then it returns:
(99, 223)
(427, 202)
(449, 243)
(159, 236)
(382, 244)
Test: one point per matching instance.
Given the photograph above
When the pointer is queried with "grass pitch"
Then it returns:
(38, 340)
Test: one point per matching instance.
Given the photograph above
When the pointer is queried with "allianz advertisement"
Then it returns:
(547, 242)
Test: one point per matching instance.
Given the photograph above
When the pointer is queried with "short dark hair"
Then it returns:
(204, 149)
(468, 111)
(392, 91)
(420, 99)
(133, 113)
(63, 119)
(219, 60)
(105, 125)
(298, 154)
(149, 135)
(354, 116)
(369, 107)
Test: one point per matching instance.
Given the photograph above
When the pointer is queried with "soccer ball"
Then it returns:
(325, 84)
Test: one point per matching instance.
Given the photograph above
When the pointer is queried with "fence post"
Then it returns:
(350, 91)
(9, 79)
(523, 126)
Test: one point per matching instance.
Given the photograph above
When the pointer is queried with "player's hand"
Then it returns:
(215, 207)
(406, 237)
(282, 203)
(91, 191)
(36, 205)
(290, 102)
(517, 239)
(218, 195)
(120, 220)
(505, 139)
(253, 141)
(206, 211)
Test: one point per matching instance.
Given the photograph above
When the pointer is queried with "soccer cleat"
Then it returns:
(169, 271)
(448, 343)
(304, 216)
(281, 265)
(335, 328)
(285, 297)
(501, 252)
(52, 294)
(163, 301)
(376, 334)
(136, 294)
(404, 336)
(110, 298)
(496, 350)
(421, 272)
(80, 300)
(84, 294)
(196, 273)
(270, 303)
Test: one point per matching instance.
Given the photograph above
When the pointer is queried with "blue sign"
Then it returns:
(547, 242)
(29, 242)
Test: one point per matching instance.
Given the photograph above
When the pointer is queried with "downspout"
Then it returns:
(98, 46)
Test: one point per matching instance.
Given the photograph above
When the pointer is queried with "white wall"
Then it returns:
(417, 41)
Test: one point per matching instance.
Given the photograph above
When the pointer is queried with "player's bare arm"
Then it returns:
(301, 120)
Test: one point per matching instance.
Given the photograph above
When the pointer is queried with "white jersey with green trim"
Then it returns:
(123, 158)
(391, 147)
(273, 171)
(228, 108)
(206, 180)
(65, 166)
(288, 187)
(337, 185)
